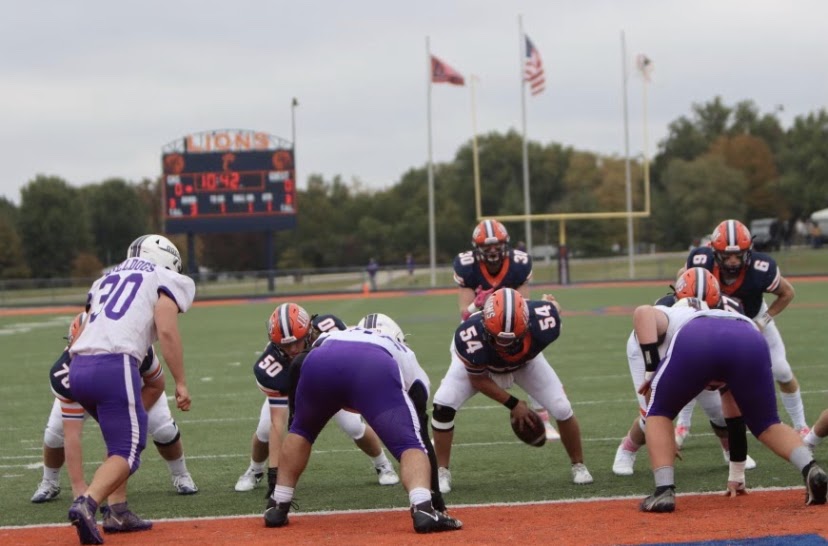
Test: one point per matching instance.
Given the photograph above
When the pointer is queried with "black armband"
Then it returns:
(511, 402)
(737, 437)
(651, 358)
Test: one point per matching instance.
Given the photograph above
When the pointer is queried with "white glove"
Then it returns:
(763, 320)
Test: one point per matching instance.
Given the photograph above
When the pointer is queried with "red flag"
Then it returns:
(443, 73)
(533, 68)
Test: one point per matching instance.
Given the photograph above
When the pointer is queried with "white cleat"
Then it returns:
(580, 474)
(249, 480)
(184, 485)
(624, 462)
(551, 434)
(750, 464)
(46, 491)
(444, 477)
(682, 432)
(386, 475)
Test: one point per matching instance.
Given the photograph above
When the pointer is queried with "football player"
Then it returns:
(161, 426)
(133, 305)
(694, 283)
(290, 331)
(818, 432)
(490, 265)
(746, 275)
(369, 369)
(497, 348)
(714, 349)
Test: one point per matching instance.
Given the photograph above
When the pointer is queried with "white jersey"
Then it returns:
(676, 318)
(410, 368)
(122, 307)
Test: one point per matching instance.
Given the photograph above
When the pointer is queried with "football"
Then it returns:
(534, 435)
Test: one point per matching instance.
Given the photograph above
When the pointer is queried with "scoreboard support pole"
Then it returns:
(271, 278)
(191, 254)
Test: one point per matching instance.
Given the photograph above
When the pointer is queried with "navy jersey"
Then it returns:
(59, 372)
(479, 355)
(515, 271)
(272, 368)
(759, 275)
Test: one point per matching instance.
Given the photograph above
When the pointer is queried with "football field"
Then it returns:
(489, 464)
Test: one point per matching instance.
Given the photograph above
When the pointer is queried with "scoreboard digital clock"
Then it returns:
(219, 188)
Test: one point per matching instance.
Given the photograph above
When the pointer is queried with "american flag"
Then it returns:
(443, 73)
(533, 69)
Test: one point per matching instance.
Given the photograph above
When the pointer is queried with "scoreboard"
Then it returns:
(215, 184)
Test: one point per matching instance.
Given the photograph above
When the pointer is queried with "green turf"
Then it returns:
(488, 463)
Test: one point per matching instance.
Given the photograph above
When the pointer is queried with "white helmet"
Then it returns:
(156, 249)
(382, 324)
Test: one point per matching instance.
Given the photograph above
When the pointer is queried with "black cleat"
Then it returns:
(276, 514)
(83, 518)
(123, 522)
(428, 520)
(816, 485)
(661, 501)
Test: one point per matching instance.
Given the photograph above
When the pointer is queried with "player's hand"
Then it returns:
(182, 397)
(734, 489)
(763, 320)
(481, 296)
(522, 415)
(551, 299)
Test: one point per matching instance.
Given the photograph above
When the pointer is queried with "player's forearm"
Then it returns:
(173, 353)
(277, 434)
(485, 384)
(465, 298)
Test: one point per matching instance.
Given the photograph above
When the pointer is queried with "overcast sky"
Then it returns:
(93, 89)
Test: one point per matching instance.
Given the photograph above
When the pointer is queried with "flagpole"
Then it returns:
(526, 207)
(645, 81)
(432, 245)
(627, 175)
(475, 158)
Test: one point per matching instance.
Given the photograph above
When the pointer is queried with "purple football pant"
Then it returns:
(360, 377)
(709, 350)
(108, 386)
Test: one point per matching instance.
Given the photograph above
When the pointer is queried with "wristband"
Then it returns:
(472, 308)
(511, 402)
(737, 472)
(651, 358)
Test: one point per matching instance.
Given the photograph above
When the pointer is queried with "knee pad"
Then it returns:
(52, 437)
(167, 434)
(442, 418)
(561, 409)
(354, 427)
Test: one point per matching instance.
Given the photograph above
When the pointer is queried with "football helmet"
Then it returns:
(289, 327)
(693, 303)
(75, 327)
(697, 282)
(731, 238)
(156, 249)
(384, 325)
(506, 320)
(490, 241)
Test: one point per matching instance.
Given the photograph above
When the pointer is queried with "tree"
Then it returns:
(117, 216)
(54, 226)
(752, 156)
(689, 212)
(12, 262)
